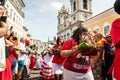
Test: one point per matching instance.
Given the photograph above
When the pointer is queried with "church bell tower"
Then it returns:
(81, 10)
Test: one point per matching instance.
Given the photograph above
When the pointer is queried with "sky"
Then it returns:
(41, 15)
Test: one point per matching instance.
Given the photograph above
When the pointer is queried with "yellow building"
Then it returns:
(102, 22)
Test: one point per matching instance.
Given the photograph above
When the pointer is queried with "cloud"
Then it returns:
(57, 5)
(50, 6)
(45, 8)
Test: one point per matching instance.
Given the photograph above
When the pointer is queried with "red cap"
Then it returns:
(27, 42)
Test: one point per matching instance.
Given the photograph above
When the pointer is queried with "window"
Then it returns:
(58, 20)
(64, 37)
(17, 19)
(11, 11)
(7, 7)
(65, 25)
(16, 2)
(85, 6)
(14, 17)
(68, 35)
(18, 6)
(106, 29)
(58, 28)
(74, 6)
(74, 18)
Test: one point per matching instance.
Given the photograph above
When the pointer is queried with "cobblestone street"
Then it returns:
(35, 75)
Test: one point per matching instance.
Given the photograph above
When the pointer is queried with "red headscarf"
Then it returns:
(27, 42)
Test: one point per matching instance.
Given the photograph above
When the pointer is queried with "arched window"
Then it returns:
(74, 18)
(74, 6)
(85, 5)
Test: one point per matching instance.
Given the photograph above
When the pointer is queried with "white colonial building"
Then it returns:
(16, 16)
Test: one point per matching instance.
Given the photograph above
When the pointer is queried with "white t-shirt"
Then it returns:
(2, 52)
(20, 55)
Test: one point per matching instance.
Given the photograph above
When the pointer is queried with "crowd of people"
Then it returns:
(98, 61)
(17, 56)
(84, 56)
(66, 61)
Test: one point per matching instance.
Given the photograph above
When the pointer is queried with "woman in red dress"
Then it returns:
(32, 61)
(7, 73)
(58, 60)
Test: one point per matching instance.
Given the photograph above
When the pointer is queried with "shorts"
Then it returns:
(20, 63)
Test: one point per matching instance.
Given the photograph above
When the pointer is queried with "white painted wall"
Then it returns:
(17, 25)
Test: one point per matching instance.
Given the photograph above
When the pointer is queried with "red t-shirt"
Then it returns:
(72, 63)
(115, 35)
(58, 59)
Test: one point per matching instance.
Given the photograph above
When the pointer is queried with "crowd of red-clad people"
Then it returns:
(84, 56)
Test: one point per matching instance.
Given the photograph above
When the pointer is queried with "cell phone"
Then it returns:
(4, 19)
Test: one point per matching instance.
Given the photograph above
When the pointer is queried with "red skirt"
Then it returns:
(46, 72)
(7, 74)
(32, 62)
